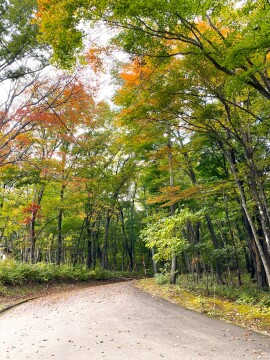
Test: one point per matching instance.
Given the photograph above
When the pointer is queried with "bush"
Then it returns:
(247, 294)
(162, 279)
(3, 290)
(14, 273)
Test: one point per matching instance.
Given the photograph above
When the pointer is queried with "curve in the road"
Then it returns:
(119, 322)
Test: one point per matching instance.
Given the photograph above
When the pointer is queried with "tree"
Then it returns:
(206, 29)
(198, 103)
(20, 52)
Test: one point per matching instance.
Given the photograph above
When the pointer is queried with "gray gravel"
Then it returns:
(118, 321)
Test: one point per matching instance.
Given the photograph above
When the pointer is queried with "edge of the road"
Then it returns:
(133, 283)
(159, 296)
(54, 291)
(8, 307)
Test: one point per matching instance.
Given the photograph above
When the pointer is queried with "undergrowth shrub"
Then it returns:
(14, 273)
(3, 290)
(162, 279)
(247, 294)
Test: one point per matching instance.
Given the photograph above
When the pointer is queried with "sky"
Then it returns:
(97, 36)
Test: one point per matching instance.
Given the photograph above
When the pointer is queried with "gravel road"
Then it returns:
(118, 321)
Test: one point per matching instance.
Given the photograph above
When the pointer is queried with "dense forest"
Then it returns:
(171, 172)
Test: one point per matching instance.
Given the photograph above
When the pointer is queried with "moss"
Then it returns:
(254, 317)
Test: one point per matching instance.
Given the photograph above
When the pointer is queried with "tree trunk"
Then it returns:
(32, 238)
(173, 275)
(32, 231)
(262, 213)
(126, 247)
(89, 261)
(216, 247)
(249, 218)
(154, 262)
(104, 259)
(260, 272)
(59, 238)
(233, 242)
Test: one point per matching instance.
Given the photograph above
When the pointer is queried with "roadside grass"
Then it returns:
(245, 306)
(15, 273)
(21, 281)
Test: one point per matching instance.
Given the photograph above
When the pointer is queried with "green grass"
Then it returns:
(247, 294)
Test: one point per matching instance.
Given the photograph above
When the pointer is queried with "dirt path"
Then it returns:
(118, 321)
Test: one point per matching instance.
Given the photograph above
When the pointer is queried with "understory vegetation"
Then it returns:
(247, 294)
(14, 273)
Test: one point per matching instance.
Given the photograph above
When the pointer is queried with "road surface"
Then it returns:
(119, 322)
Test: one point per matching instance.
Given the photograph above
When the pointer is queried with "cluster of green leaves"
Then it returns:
(19, 39)
(231, 36)
(167, 234)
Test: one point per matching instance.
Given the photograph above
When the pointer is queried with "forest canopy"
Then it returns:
(171, 173)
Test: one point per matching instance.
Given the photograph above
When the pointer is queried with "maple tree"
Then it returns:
(22, 59)
(206, 29)
(185, 103)
(180, 157)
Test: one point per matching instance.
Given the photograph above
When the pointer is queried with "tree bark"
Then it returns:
(249, 218)
(173, 274)
(32, 226)
(104, 258)
(216, 247)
